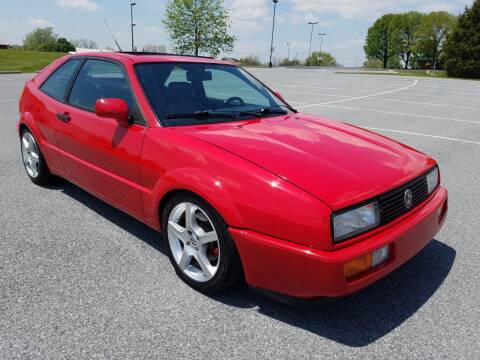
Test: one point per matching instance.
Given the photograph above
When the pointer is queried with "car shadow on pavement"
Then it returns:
(368, 315)
(118, 217)
(355, 321)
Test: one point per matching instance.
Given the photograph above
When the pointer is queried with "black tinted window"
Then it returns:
(100, 79)
(57, 84)
(178, 91)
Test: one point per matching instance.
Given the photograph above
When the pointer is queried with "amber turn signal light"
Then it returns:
(366, 262)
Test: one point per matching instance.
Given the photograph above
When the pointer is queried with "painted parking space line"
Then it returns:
(424, 135)
(393, 113)
(312, 93)
(297, 103)
(323, 87)
(416, 94)
(414, 83)
(423, 103)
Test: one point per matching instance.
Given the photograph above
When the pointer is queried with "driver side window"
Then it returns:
(100, 79)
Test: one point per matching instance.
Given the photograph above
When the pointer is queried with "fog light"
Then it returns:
(366, 262)
(380, 255)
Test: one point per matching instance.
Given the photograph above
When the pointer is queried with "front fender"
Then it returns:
(203, 184)
(245, 195)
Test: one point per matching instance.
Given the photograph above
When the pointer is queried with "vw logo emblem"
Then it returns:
(408, 198)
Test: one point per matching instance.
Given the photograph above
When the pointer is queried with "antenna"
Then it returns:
(113, 36)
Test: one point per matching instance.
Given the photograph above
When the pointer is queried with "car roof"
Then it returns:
(145, 57)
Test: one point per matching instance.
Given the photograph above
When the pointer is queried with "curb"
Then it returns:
(10, 72)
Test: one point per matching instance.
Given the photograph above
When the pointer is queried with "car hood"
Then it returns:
(338, 163)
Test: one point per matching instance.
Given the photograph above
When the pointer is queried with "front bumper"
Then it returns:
(294, 270)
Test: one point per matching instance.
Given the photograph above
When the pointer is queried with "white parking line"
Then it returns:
(425, 135)
(423, 103)
(297, 102)
(438, 96)
(393, 113)
(320, 87)
(313, 93)
(414, 83)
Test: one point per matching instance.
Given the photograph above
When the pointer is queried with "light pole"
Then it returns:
(313, 23)
(273, 30)
(321, 40)
(132, 24)
(288, 45)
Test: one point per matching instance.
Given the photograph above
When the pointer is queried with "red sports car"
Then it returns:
(240, 184)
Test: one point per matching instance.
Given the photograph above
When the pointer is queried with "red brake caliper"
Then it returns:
(214, 250)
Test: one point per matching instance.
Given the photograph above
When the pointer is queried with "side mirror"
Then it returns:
(280, 96)
(114, 109)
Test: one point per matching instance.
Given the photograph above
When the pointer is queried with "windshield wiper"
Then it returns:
(263, 112)
(232, 114)
(201, 115)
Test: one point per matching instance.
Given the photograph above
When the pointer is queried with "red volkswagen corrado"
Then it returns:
(240, 184)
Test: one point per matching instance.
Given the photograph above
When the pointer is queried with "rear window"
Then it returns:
(57, 84)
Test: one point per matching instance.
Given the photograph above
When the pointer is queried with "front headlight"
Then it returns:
(433, 178)
(355, 221)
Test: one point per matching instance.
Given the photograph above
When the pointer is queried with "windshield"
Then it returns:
(191, 93)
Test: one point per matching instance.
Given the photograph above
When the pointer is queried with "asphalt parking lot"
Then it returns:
(79, 279)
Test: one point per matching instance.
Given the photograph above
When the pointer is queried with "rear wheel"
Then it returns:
(33, 160)
(199, 246)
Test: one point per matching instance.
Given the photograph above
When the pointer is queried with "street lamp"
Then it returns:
(313, 23)
(321, 40)
(273, 29)
(132, 24)
(288, 45)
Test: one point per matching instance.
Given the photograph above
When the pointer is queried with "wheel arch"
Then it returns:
(212, 200)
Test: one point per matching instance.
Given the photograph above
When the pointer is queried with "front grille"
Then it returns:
(392, 204)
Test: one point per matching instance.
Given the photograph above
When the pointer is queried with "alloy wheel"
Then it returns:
(193, 241)
(30, 154)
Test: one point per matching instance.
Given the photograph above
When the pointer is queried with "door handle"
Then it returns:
(65, 117)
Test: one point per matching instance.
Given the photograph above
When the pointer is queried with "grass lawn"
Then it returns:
(25, 60)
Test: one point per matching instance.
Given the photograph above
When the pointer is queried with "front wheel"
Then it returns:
(199, 246)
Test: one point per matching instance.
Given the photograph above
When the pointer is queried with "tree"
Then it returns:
(462, 48)
(432, 34)
(251, 60)
(318, 58)
(198, 26)
(382, 40)
(43, 39)
(289, 62)
(62, 45)
(84, 43)
(408, 25)
(40, 38)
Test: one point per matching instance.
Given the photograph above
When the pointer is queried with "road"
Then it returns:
(79, 279)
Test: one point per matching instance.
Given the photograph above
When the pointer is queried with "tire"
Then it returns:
(203, 253)
(33, 160)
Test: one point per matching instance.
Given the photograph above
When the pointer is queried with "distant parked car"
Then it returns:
(240, 184)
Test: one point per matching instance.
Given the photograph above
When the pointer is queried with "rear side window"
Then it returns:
(57, 84)
(100, 79)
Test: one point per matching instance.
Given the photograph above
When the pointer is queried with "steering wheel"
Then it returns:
(234, 99)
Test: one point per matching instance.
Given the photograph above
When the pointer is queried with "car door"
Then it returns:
(52, 93)
(99, 153)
